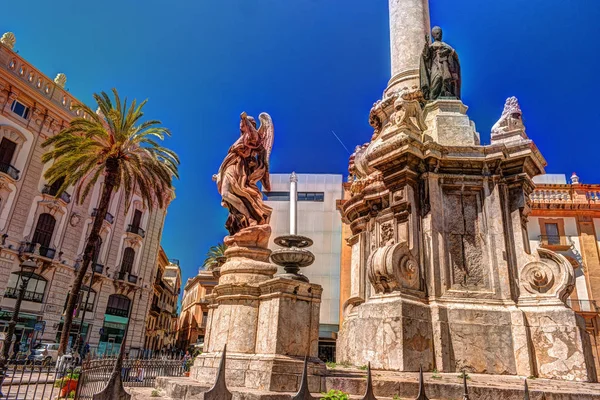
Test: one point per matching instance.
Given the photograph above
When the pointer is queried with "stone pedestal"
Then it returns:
(268, 324)
(448, 124)
(390, 332)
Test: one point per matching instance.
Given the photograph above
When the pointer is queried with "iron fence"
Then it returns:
(26, 380)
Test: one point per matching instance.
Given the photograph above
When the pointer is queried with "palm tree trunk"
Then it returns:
(109, 184)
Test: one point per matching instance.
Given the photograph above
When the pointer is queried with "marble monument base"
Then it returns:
(392, 332)
(448, 124)
(269, 324)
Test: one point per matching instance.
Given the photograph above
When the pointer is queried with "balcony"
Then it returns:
(132, 278)
(10, 170)
(43, 251)
(49, 190)
(120, 275)
(555, 242)
(136, 230)
(13, 293)
(154, 308)
(108, 218)
(584, 306)
(98, 268)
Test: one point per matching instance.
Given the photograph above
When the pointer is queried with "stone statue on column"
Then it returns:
(440, 69)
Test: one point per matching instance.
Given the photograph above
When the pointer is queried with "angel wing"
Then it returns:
(266, 132)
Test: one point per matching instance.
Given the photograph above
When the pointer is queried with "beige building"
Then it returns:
(161, 324)
(33, 223)
(194, 310)
(565, 218)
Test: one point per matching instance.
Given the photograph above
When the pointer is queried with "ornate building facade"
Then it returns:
(194, 310)
(52, 231)
(565, 218)
(161, 325)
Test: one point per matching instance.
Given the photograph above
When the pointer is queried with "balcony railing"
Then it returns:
(587, 306)
(98, 268)
(49, 190)
(117, 311)
(43, 251)
(136, 229)
(109, 217)
(154, 307)
(132, 278)
(13, 293)
(10, 170)
(120, 275)
(557, 242)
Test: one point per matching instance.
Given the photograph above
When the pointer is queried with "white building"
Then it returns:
(319, 220)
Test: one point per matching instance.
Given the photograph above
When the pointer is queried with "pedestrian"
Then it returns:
(186, 358)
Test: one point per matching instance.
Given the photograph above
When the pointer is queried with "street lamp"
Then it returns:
(27, 270)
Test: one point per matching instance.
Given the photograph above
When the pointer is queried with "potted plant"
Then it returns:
(68, 384)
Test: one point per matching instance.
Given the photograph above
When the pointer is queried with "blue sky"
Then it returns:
(315, 66)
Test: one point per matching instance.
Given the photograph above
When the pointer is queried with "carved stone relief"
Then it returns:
(464, 241)
(550, 277)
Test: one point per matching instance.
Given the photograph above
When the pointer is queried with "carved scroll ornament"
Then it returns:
(392, 268)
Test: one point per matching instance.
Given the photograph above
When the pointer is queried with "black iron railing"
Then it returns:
(49, 190)
(13, 293)
(136, 229)
(109, 217)
(132, 278)
(120, 275)
(35, 378)
(43, 251)
(9, 170)
(119, 312)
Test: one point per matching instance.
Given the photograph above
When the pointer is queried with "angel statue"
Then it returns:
(246, 164)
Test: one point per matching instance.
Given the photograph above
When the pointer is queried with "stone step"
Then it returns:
(387, 384)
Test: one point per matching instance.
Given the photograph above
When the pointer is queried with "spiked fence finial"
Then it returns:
(466, 395)
(526, 391)
(422, 395)
(303, 392)
(219, 390)
(369, 393)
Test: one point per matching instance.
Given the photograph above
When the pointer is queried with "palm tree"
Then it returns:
(114, 143)
(213, 255)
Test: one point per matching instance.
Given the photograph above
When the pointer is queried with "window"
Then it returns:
(277, 196)
(7, 151)
(43, 233)
(53, 189)
(128, 258)
(33, 292)
(83, 295)
(118, 305)
(137, 219)
(20, 109)
(552, 234)
(311, 196)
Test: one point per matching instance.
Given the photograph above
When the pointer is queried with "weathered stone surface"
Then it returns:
(448, 124)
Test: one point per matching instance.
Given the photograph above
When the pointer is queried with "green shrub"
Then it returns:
(155, 393)
(331, 364)
(335, 395)
(71, 395)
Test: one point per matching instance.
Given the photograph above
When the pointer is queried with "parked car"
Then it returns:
(44, 353)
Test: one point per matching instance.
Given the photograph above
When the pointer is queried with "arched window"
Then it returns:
(128, 258)
(118, 305)
(43, 234)
(44, 230)
(34, 291)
